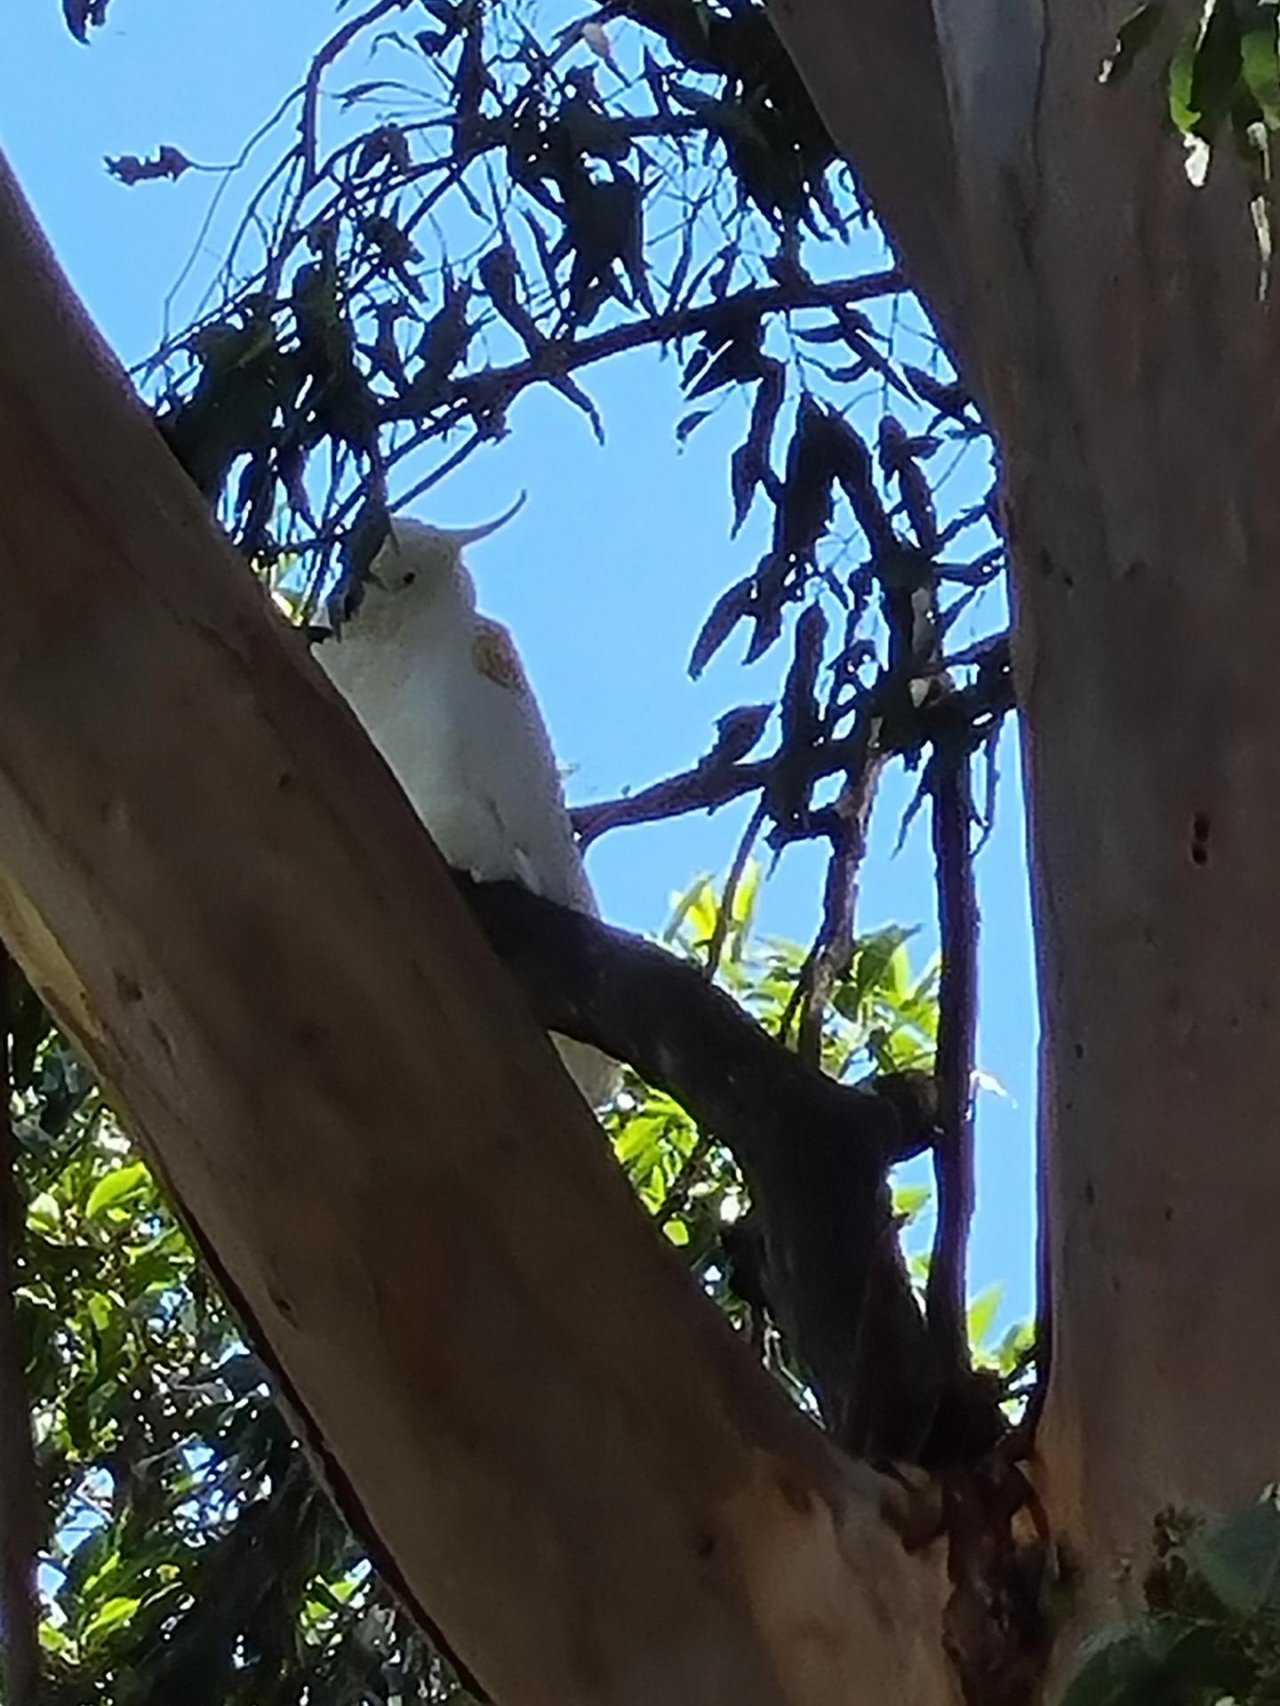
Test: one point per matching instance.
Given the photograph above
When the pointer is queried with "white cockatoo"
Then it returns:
(441, 692)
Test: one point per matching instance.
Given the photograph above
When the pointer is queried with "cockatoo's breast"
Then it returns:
(452, 714)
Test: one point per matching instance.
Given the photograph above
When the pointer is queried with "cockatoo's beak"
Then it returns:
(464, 536)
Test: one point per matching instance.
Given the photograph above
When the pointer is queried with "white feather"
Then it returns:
(441, 692)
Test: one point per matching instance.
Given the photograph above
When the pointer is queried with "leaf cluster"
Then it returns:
(189, 1553)
(1211, 1635)
(1223, 86)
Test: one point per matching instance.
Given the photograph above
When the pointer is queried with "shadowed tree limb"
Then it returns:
(815, 1154)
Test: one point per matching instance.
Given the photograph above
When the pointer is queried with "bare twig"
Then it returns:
(833, 950)
(677, 1197)
(340, 39)
(724, 912)
(704, 788)
(20, 1513)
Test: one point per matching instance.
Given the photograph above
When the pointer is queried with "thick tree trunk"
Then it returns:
(1135, 386)
(1111, 320)
(206, 870)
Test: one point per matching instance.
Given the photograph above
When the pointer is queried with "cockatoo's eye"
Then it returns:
(410, 577)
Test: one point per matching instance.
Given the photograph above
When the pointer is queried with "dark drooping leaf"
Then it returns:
(1205, 72)
(605, 228)
(166, 162)
(801, 723)
(750, 468)
(731, 351)
(804, 507)
(737, 732)
(1260, 57)
(246, 382)
(900, 457)
(83, 15)
(727, 611)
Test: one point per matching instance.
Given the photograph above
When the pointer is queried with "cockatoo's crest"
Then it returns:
(417, 567)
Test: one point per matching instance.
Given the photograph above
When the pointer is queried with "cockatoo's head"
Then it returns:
(418, 568)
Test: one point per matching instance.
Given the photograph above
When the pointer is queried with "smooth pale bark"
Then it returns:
(1133, 378)
(218, 887)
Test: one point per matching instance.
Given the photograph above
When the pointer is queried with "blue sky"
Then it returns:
(606, 574)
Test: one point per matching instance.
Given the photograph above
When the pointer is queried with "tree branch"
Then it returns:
(710, 785)
(685, 1036)
(493, 388)
(815, 1153)
(308, 126)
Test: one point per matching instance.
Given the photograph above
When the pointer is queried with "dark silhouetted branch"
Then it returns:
(946, 1299)
(492, 388)
(709, 786)
(815, 1153)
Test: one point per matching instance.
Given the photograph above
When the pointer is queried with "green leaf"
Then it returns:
(1134, 1668)
(1239, 1560)
(909, 1202)
(687, 904)
(101, 1310)
(639, 1144)
(1260, 57)
(44, 1214)
(1205, 73)
(115, 1613)
(702, 913)
(746, 895)
(1014, 1346)
(1182, 68)
(116, 1187)
(982, 1313)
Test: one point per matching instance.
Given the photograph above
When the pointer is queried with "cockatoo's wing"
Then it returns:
(529, 809)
